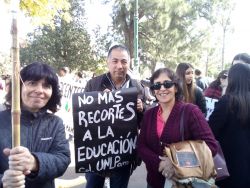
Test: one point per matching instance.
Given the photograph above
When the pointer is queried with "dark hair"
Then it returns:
(243, 57)
(216, 83)
(188, 90)
(197, 72)
(37, 71)
(118, 46)
(171, 74)
(79, 74)
(238, 90)
(63, 69)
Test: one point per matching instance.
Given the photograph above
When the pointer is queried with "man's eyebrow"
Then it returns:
(114, 58)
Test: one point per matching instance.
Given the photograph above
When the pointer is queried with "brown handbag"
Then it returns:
(191, 158)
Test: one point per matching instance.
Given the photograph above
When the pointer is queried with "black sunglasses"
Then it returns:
(167, 84)
(224, 76)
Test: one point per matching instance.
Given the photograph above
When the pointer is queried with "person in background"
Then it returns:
(200, 82)
(161, 124)
(230, 123)
(64, 75)
(44, 152)
(241, 58)
(118, 62)
(79, 77)
(94, 75)
(218, 87)
(215, 91)
(192, 93)
(150, 99)
(62, 72)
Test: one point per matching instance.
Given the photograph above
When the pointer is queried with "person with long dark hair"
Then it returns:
(192, 93)
(241, 58)
(230, 122)
(44, 152)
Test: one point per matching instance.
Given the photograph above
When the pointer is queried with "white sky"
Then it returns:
(100, 15)
(5, 28)
(240, 39)
(5, 22)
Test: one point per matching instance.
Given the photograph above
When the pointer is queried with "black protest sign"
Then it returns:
(105, 129)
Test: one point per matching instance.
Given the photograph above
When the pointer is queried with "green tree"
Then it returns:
(42, 12)
(64, 44)
(216, 40)
(5, 64)
(169, 30)
(101, 43)
(223, 16)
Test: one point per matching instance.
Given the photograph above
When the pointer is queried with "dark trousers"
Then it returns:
(118, 179)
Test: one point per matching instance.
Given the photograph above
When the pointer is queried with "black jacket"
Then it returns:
(200, 100)
(44, 135)
(103, 82)
(234, 139)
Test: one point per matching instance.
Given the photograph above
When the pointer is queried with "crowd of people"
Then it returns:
(44, 152)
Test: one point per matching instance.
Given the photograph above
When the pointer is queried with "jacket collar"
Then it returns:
(25, 114)
(107, 82)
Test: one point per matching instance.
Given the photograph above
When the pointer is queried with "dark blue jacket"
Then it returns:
(44, 135)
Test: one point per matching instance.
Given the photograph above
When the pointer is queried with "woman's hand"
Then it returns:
(13, 178)
(166, 167)
(20, 159)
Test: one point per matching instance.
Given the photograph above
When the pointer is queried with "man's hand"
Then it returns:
(139, 105)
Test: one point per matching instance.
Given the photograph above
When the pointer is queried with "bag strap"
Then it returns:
(182, 122)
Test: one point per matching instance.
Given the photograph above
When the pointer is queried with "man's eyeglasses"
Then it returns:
(167, 84)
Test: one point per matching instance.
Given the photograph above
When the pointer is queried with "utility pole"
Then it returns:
(136, 60)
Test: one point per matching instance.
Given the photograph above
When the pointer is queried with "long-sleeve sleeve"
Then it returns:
(200, 100)
(54, 163)
(199, 129)
(219, 117)
(148, 156)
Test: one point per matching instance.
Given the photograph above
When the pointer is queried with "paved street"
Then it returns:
(137, 180)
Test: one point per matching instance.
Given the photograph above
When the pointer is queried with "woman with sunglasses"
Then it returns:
(192, 93)
(161, 124)
(218, 87)
(215, 91)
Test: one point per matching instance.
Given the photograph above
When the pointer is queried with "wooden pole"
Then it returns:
(15, 106)
(136, 60)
